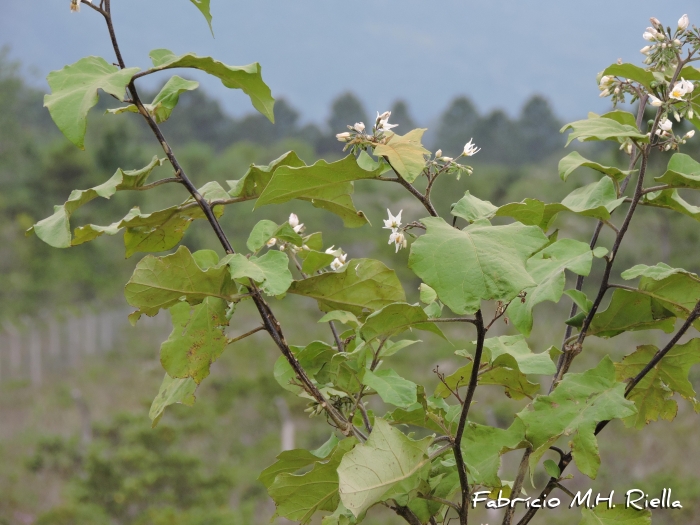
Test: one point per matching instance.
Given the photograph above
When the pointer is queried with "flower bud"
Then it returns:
(343, 137)
(678, 42)
(689, 135)
(645, 50)
(605, 93)
(676, 116)
(359, 127)
(655, 22)
(438, 153)
(446, 159)
(654, 101)
(293, 220)
(691, 113)
(617, 90)
(683, 22)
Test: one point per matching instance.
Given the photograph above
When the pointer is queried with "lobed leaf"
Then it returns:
(391, 387)
(405, 153)
(472, 208)
(246, 78)
(600, 128)
(478, 263)
(574, 160)
(682, 172)
(271, 271)
(74, 91)
(165, 101)
(396, 318)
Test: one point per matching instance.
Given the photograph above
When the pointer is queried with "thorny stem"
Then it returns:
(269, 320)
(459, 458)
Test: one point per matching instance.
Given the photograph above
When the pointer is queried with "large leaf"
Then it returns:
(576, 406)
(616, 515)
(632, 72)
(391, 387)
(547, 269)
(298, 497)
(652, 395)
(472, 208)
(203, 6)
(574, 160)
(483, 446)
(628, 311)
(197, 339)
(257, 177)
(389, 463)
(658, 272)
(271, 271)
(671, 200)
(682, 172)
(55, 230)
(396, 318)
(246, 78)
(172, 391)
(164, 103)
(478, 263)
(517, 347)
(599, 128)
(313, 358)
(364, 286)
(674, 290)
(74, 93)
(160, 282)
(326, 185)
(405, 153)
(294, 460)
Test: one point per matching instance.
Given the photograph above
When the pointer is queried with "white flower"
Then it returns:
(359, 127)
(604, 94)
(470, 149)
(330, 250)
(294, 223)
(383, 121)
(383, 116)
(652, 34)
(75, 6)
(665, 125)
(681, 88)
(392, 223)
(271, 242)
(446, 159)
(645, 50)
(683, 22)
(399, 239)
(438, 153)
(343, 137)
(605, 81)
(655, 22)
(689, 135)
(654, 101)
(339, 262)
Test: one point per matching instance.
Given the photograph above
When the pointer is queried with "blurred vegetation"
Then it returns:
(199, 466)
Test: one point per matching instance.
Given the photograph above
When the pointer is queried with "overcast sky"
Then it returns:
(498, 52)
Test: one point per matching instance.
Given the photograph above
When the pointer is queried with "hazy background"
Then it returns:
(498, 52)
(76, 380)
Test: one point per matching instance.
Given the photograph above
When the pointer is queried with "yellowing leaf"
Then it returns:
(405, 153)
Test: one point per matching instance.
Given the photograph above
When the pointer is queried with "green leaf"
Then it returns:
(315, 260)
(658, 272)
(599, 128)
(203, 6)
(516, 384)
(257, 177)
(326, 185)
(197, 339)
(597, 200)
(483, 446)
(389, 463)
(682, 172)
(246, 78)
(472, 209)
(312, 358)
(299, 497)
(678, 293)
(636, 73)
(271, 271)
(405, 153)
(172, 391)
(342, 317)
(396, 318)
(164, 229)
(265, 230)
(160, 282)
(574, 160)
(652, 394)
(427, 294)
(443, 483)
(529, 211)
(55, 230)
(671, 200)
(163, 105)
(547, 269)
(294, 460)
(517, 347)
(391, 387)
(74, 93)
(583, 302)
(618, 515)
(552, 469)
(478, 263)
(628, 311)
(364, 286)
(576, 406)
(623, 117)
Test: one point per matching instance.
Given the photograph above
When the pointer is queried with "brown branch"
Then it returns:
(413, 191)
(253, 331)
(459, 458)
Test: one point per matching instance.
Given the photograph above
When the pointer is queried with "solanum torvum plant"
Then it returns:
(468, 267)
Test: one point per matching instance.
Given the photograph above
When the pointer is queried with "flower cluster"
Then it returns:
(75, 5)
(339, 263)
(398, 237)
(665, 45)
(357, 139)
(296, 226)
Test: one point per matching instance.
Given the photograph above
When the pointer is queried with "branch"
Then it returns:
(459, 458)
(270, 322)
(425, 201)
(449, 503)
(157, 183)
(253, 331)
